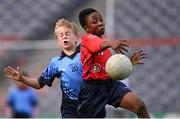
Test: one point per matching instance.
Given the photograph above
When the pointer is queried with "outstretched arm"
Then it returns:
(117, 45)
(17, 75)
(137, 57)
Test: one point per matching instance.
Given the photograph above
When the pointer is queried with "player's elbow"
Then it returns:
(37, 87)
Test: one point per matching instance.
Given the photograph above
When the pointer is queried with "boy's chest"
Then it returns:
(70, 65)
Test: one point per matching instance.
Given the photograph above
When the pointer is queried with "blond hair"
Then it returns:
(64, 22)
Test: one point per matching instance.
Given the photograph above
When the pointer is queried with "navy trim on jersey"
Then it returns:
(43, 82)
(63, 54)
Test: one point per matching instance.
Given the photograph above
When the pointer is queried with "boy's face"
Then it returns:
(95, 24)
(66, 38)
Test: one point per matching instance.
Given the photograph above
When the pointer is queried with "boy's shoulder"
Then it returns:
(55, 58)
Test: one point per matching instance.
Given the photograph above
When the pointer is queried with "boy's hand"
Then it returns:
(15, 74)
(137, 57)
(119, 46)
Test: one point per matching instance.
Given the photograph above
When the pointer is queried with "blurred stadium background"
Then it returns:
(27, 39)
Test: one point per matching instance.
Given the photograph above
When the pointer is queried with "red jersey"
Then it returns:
(92, 59)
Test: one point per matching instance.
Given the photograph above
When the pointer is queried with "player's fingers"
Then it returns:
(18, 69)
(140, 63)
(143, 57)
(125, 44)
(119, 51)
(134, 54)
(140, 51)
(7, 71)
(143, 54)
(125, 41)
(8, 76)
(11, 69)
(124, 49)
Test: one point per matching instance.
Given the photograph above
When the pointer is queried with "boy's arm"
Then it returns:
(32, 82)
(117, 45)
(17, 75)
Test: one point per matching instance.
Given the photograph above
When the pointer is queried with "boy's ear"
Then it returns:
(85, 27)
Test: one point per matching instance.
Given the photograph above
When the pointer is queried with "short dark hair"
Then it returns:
(83, 15)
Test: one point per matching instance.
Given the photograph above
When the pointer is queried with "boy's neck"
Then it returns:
(101, 36)
(69, 52)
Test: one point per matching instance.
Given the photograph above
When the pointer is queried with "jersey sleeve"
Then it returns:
(93, 43)
(49, 74)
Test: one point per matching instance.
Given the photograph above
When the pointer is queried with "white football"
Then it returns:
(119, 67)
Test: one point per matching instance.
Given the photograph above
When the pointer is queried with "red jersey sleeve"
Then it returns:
(93, 43)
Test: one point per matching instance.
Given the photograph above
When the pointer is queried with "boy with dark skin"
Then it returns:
(99, 89)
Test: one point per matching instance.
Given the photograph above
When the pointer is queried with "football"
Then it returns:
(119, 67)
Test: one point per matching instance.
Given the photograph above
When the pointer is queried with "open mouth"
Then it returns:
(101, 29)
(65, 42)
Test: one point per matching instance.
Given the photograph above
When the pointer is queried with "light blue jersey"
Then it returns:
(22, 100)
(66, 68)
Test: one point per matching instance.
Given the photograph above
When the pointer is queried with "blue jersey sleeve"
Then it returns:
(49, 74)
